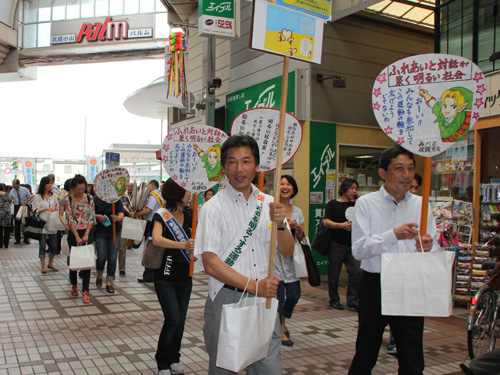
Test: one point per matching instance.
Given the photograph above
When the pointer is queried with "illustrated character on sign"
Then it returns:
(211, 159)
(286, 35)
(306, 47)
(453, 112)
(120, 184)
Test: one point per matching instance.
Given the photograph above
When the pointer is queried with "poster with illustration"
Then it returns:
(427, 102)
(111, 184)
(287, 32)
(191, 155)
(262, 124)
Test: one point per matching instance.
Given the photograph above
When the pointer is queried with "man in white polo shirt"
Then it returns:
(225, 220)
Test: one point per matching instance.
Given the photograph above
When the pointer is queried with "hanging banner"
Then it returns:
(93, 167)
(286, 32)
(191, 155)
(262, 124)
(29, 171)
(321, 179)
(111, 184)
(425, 103)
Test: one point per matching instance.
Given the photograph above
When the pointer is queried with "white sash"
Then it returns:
(240, 244)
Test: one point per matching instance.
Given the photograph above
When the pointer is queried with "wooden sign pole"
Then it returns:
(193, 231)
(426, 186)
(260, 185)
(277, 175)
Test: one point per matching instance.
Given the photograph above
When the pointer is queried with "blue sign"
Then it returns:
(112, 158)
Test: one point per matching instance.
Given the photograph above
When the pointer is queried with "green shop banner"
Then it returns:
(323, 173)
(265, 94)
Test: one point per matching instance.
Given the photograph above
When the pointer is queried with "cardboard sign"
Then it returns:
(110, 184)
(262, 124)
(191, 155)
(425, 103)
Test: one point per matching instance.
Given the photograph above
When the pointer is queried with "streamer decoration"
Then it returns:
(176, 73)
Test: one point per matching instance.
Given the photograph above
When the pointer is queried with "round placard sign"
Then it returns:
(110, 184)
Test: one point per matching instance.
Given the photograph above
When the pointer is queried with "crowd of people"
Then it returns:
(362, 228)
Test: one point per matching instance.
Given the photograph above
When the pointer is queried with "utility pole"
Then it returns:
(208, 75)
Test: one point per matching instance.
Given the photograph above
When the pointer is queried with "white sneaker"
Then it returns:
(164, 372)
(176, 369)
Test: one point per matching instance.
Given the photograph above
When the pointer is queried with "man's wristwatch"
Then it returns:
(283, 226)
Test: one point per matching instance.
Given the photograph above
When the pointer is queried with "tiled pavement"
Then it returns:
(44, 330)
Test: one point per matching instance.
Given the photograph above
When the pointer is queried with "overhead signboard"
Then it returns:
(283, 31)
(317, 8)
(216, 18)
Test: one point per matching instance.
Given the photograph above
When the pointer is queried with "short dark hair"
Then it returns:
(346, 185)
(67, 184)
(78, 180)
(237, 141)
(155, 184)
(292, 182)
(43, 182)
(16, 181)
(392, 153)
(2, 187)
(172, 193)
(205, 193)
(418, 178)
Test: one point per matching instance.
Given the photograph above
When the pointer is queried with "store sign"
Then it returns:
(216, 18)
(322, 165)
(108, 31)
(265, 94)
(452, 166)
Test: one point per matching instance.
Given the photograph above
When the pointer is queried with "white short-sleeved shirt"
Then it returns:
(40, 202)
(223, 218)
(375, 217)
(153, 204)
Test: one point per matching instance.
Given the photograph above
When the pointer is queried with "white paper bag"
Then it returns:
(21, 212)
(417, 284)
(299, 260)
(64, 245)
(53, 223)
(133, 229)
(245, 332)
(82, 257)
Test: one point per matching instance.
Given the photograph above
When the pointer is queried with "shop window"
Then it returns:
(361, 164)
(160, 7)
(58, 10)
(67, 169)
(30, 11)
(115, 7)
(44, 10)
(88, 8)
(131, 6)
(73, 9)
(29, 36)
(101, 8)
(44, 34)
(147, 6)
(162, 28)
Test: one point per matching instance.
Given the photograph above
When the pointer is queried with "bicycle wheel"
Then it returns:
(480, 337)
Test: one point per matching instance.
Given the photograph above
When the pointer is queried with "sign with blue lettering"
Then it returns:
(112, 158)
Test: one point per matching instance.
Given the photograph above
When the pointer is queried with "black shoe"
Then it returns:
(337, 305)
(27, 242)
(465, 369)
(287, 342)
(353, 306)
(122, 273)
(98, 283)
(17, 243)
(144, 281)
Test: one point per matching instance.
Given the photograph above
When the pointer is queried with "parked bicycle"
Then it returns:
(483, 324)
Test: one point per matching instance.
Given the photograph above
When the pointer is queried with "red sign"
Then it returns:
(7, 170)
(110, 30)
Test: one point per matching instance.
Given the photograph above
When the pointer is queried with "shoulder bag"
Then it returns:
(33, 225)
(321, 242)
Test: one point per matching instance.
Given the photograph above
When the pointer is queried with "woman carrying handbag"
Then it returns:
(43, 203)
(172, 231)
(289, 287)
(80, 212)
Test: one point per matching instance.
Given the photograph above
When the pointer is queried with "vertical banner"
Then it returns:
(323, 163)
(93, 167)
(29, 172)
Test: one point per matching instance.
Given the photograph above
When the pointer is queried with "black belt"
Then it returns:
(233, 288)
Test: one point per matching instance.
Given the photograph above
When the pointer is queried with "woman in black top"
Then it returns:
(172, 281)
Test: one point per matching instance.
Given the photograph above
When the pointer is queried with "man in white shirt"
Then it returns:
(233, 236)
(387, 221)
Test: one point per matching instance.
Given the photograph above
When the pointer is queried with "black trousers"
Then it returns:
(17, 226)
(4, 236)
(338, 255)
(408, 333)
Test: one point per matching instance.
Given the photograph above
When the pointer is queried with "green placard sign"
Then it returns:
(265, 94)
(323, 163)
(216, 18)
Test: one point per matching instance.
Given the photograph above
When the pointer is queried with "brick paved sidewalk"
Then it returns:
(45, 330)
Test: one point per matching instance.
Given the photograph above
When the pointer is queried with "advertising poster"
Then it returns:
(287, 32)
(322, 163)
(29, 172)
(428, 102)
(93, 167)
(262, 124)
(216, 18)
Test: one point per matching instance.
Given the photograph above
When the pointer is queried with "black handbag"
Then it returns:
(321, 242)
(33, 225)
(312, 269)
